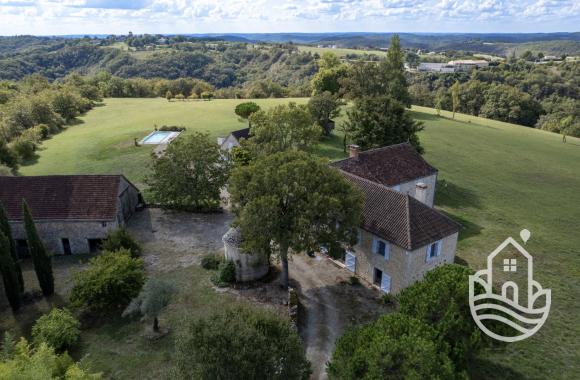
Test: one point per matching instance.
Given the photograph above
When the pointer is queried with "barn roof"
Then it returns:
(62, 197)
(389, 166)
(400, 218)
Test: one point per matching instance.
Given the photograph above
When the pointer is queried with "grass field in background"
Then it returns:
(341, 52)
(495, 178)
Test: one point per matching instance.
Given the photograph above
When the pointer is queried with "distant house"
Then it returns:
(73, 213)
(233, 139)
(467, 65)
(436, 67)
(402, 236)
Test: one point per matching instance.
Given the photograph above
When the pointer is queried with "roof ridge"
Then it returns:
(379, 185)
(374, 150)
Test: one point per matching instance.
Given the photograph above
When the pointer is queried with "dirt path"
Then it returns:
(328, 306)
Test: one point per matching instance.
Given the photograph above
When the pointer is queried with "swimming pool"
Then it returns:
(159, 137)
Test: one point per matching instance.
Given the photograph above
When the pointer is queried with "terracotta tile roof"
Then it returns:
(241, 133)
(400, 218)
(61, 197)
(390, 165)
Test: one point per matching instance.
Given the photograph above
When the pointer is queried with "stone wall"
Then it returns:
(77, 232)
(249, 267)
(403, 267)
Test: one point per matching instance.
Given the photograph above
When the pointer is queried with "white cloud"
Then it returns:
(183, 16)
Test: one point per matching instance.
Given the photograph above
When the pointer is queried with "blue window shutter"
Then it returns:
(387, 251)
(375, 245)
(386, 283)
(439, 244)
(427, 258)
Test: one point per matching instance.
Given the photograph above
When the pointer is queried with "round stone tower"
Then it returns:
(249, 266)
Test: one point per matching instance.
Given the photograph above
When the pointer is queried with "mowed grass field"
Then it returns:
(495, 178)
(341, 52)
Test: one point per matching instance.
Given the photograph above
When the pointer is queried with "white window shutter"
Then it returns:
(427, 258)
(386, 283)
(439, 243)
(375, 247)
(387, 251)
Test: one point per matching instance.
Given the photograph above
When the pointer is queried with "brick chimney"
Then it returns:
(421, 192)
(354, 150)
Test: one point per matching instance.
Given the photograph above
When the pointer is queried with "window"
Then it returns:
(381, 247)
(382, 280)
(66, 246)
(510, 265)
(433, 250)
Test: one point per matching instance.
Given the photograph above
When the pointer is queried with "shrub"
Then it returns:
(388, 299)
(24, 148)
(226, 274)
(441, 300)
(354, 280)
(240, 343)
(172, 128)
(395, 346)
(110, 282)
(41, 362)
(59, 329)
(121, 239)
(210, 261)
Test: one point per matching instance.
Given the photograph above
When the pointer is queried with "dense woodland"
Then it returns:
(46, 83)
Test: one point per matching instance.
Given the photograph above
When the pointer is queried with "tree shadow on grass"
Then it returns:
(483, 369)
(450, 194)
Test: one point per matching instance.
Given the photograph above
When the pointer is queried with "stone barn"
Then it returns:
(72, 213)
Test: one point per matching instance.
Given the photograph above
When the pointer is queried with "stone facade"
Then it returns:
(53, 234)
(410, 188)
(249, 267)
(72, 236)
(402, 266)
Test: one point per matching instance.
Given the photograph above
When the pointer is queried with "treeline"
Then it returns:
(541, 96)
(220, 63)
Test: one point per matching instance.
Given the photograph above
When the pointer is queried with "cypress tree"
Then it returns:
(5, 229)
(9, 276)
(41, 259)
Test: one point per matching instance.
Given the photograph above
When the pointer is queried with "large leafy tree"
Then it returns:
(292, 202)
(7, 231)
(386, 78)
(189, 174)
(329, 76)
(395, 346)
(240, 343)
(282, 128)
(41, 258)
(245, 110)
(9, 274)
(441, 300)
(324, 107)
(378, 121)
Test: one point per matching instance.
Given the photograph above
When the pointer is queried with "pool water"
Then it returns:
(158, 137)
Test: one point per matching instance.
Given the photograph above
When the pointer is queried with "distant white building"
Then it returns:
(468, 64)
(233, 139)
(436, 67)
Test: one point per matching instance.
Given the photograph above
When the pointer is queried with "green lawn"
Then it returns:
(341, 52)
(103, 142)
(495, 178)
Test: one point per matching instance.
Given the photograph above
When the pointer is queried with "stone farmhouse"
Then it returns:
(233, 139)
(401, 236)
(72, 213)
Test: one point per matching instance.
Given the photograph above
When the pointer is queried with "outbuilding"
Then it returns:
(72, 213)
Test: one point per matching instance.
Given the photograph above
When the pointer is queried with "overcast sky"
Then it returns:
(43, 17)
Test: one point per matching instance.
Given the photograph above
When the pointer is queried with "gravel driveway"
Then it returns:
(329, 305)
(173, 239)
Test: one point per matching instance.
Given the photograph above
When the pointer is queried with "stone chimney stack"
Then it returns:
(421, 193)
(354, 150)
